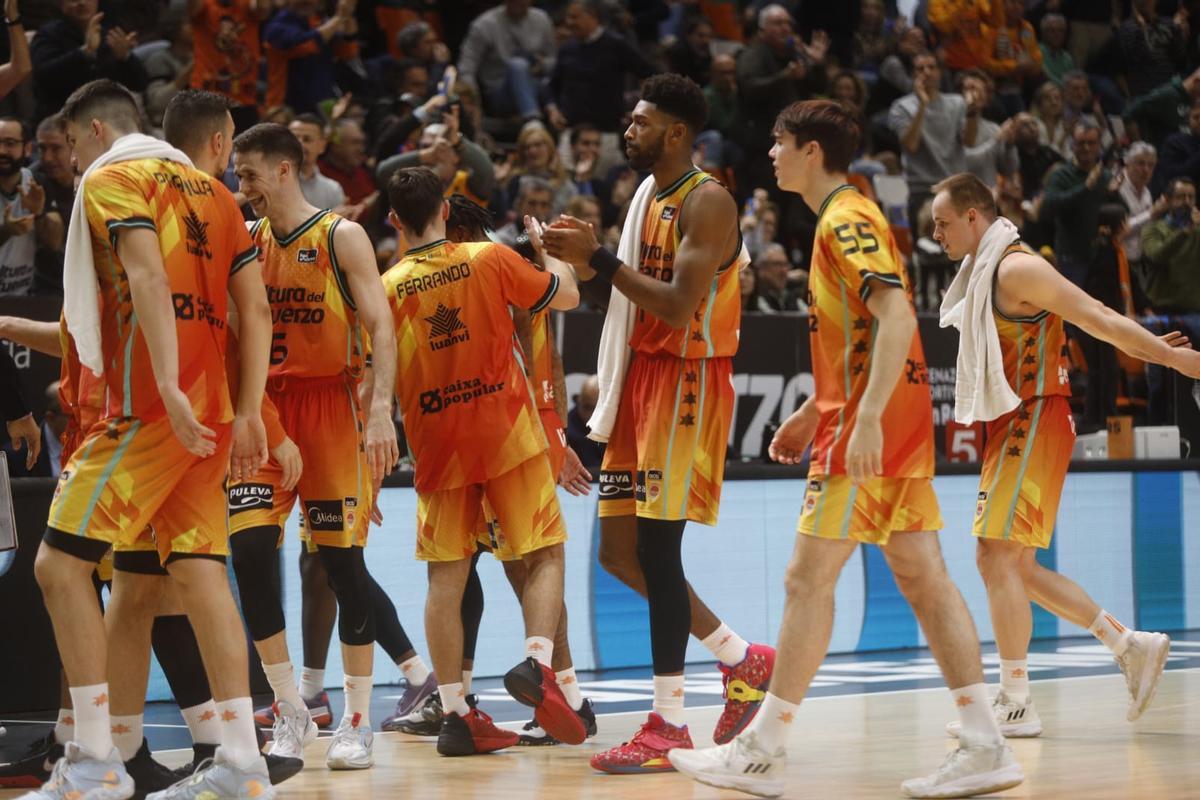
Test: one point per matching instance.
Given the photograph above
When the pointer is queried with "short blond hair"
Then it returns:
(967, 191)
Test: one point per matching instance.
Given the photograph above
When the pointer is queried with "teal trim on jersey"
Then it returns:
(1033, 426)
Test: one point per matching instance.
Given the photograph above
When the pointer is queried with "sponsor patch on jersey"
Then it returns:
(307, 255)
(246, 496)
(668, 213)
(616, 484)
(324, 515)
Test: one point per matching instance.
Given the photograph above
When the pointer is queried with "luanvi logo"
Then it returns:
(197, 235)
(445, 328)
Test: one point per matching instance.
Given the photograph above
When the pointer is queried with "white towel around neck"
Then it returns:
(81, 291)
(981, 390)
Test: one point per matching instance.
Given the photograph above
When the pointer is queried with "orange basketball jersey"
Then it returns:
(1034, 350)
(540, 362)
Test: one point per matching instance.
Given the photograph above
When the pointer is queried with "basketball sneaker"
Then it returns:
(647, 750)
(318, 707)
(1016, 720)
(352, 746)
(534, 684)
(471, 735)
(424, 721)
(224, 779)
(411, 703)
(33, 768)
(279, 769)
(80, 775)
(969, 771)
(1142, 663)
(294, 728)
(745, 688)
(149, 775)
(532, 734)
(741, 764)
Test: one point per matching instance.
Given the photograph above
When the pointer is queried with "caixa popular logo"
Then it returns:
(616, 485)
(323, 515)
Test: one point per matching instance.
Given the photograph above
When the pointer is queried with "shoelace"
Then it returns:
(1131, 676)
(285, 733)
(952, 761)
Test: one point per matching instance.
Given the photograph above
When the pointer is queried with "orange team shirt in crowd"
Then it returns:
(714, 328)
(540, 362)
(227, 49)
(1036, 360)
(203, 242)
(1000, 55)
(853, 252)
(464, 396)
(315, 327)
(959, 25)
(277, 63)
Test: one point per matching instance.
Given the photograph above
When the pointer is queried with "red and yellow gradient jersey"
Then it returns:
(713, 329)
(1034, 349)
(464, 395)
(80, 394)
(540, 362)
(203, 242)
(853, 251)
(315, 327)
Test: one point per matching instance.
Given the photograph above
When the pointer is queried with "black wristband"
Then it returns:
(605, 263)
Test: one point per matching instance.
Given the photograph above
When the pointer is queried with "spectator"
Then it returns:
(993, 152)
(748, 287)
(319, 190)
(20, 63)
(1171, 247)
(873, 39)
(934, 130)
(23, 225)
(759, 223)
(345, 160)
(1152, 48)
(1158, 114)
(588, 80)
(537, 156)
(1011, 55)
(54, 423)
(959, 26)
(54, 172)
(80, 47)
(464, 167)
(1048, 114)
(896, 71)
(227, 52)
(509, 50)
(848, 89)
(302, 52)
(585, 159)
(535, 198)
(169, 70)
(1056, 59)
(1134, 189)
(395, 120)
(1035, 159)
(771, 268)
(419, 42)
(589, 452)
(1181, 153)
(1080, 104)
(23, 430)
(691, 54)
(1074, 193)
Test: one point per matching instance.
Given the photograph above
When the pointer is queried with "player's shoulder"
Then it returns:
(849, 205)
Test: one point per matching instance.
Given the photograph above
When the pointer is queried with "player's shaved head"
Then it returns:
(106, 101)
(415, 195)
(272, 141)
(193, 116)
(965, 191)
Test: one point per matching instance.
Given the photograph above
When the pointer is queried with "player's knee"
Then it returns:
(313, 576)
(516, 572)
(253, 552)
(545, 555)
(804, 580)
(621, 564)
(53, 567)
(137, 595)
(996, 560)
(348, 577)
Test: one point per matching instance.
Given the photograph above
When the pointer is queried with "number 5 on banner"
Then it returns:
(964, 443)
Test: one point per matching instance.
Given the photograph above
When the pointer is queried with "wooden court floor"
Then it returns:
(856, 746)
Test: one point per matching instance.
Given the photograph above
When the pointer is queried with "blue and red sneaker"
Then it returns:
(745, 688)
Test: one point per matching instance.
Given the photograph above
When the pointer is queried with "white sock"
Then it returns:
(414, 671)
(979, 726)
(282, 678)
(539, 647)
(64, 726)
(454, 699)
(726, 646)
(238, 742)
(570, 688)
(358, 699)
(773, 723)
(1014, 679)
(127, 735)
(312, 682)
(93, 729)
(1111, 633)
(202, 723)
(466, 681)
(668, 698)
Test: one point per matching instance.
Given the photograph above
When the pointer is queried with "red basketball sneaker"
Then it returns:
(472, 735)
(646, 751)
(745, 687)
(534, 684)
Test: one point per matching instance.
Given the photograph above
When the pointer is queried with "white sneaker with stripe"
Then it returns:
(1016, 720)
(741, 764)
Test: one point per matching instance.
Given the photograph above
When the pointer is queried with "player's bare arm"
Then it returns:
(567, 296)
(356, 256)
(1027, 284)
(523, 325)
(253, 315)
(795, 433)
(709, 220)
(32, 333)
(897, 324)
(151, 295)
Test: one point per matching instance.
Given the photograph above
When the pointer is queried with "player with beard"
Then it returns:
(24, 225)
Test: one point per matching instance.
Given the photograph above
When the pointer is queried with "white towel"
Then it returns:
(981, 390)
(81, 292)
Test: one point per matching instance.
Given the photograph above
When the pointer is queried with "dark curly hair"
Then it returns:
(679, 96)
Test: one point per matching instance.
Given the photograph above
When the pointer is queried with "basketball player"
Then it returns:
(325, 296)
(1028, 453)
(870, 474)
(474, 434)
(169, 435)
(675, 412)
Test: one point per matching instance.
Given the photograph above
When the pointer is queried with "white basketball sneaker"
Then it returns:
(352, 746)
(1143, 662)
(741, 764)
(294, 728)
(1016, 720)
(969, 771)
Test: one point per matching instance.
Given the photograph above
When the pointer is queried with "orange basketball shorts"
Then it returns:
(834, 508)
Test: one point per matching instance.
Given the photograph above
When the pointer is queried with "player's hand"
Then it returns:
(382, 450)
(24, 432)
(249, 450)
(195, 438)
(794, 436)
(571, 240)
(574, 477)
(287, 456)
(864, 451)
(1176, 339)
(376, 514)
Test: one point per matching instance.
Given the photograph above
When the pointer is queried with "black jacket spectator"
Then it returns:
(60, 66)
(1151, 53)
(588, 82)
(12, 406)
